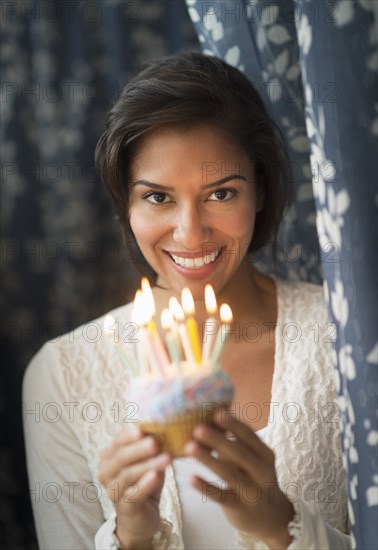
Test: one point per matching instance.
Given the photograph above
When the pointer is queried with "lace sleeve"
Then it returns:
(106, 538)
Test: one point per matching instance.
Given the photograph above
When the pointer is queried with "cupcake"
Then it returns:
(170, 407)
(181, 384)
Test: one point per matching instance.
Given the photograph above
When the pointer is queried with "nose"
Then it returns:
(191, 228)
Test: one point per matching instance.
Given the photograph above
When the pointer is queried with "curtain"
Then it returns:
(62, 65)
(315, 63)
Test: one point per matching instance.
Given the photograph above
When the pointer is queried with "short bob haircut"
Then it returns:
(184, 90)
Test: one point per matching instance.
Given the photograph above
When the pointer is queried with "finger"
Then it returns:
(151, 483)
(128, 435)
(234, 452)
(227, 471)
(134, 473)
(131, 454)
(245, 434)
(124, 437)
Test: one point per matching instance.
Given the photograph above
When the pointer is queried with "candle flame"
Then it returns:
(226, 314)
(210, 300)
(139, 314)
(166, 319)
(108, 322)
(176, 309)
(187, 301)
(149, 301)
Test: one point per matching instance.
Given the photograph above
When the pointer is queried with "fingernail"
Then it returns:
(149, 442)
(200, 431)
(163, 459)
(189, 447)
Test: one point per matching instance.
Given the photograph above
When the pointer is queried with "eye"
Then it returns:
(156, 197)
(223, 195)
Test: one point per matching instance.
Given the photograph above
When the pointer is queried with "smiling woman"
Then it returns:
(196, 169)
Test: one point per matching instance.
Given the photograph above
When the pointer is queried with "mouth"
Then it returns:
(195, 263)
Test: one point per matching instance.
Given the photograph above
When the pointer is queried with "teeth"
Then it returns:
(195, 263)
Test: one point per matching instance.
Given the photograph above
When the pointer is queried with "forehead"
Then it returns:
(191, 153)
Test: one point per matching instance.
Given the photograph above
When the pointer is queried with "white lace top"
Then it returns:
(75, 400)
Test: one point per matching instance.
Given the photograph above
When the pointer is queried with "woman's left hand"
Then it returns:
(252, 499)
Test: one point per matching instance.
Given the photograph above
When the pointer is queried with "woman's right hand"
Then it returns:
(132, 471)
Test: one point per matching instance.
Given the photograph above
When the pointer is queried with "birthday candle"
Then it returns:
(191, 323)
(147, 349)
(173, 303)
(145, 357)
(178, 313)
(211, 324)
(161, 352)
(226, 319)
(157, 348)
(123, 354)
(150, 303)
(167, 323)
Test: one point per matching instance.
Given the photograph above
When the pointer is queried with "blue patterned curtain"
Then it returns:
(62, 257)
(316, 62)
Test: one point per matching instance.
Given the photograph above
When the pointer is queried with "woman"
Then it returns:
(197, 171)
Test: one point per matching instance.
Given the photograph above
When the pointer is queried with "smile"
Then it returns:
(195, 263)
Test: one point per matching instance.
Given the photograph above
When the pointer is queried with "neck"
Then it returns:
(248, 293)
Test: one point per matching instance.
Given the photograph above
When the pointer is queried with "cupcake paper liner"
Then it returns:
(177, 430)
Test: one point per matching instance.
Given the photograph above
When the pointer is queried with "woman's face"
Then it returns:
(192, 207)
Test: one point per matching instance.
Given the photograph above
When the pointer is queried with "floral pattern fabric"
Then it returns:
(315, 63)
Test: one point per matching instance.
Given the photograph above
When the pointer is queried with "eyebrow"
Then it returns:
(159, 187)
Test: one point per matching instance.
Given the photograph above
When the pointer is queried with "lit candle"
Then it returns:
(151, 325)
(145, 356)
(158, 350)
(150, 303)
(173, 303)
(211, 324)
(226, 319)
(126, 358)
(178, 314)
(167, 323)
(191, 323)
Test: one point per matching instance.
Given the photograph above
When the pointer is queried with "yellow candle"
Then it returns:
(191, 324)
(178, 314)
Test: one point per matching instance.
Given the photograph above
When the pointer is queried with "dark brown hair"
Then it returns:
(183, 90)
